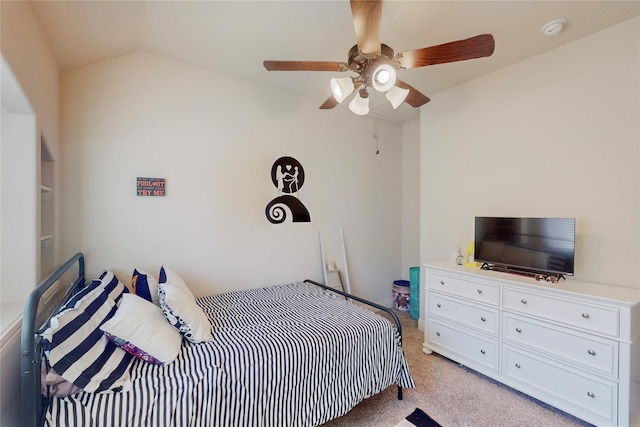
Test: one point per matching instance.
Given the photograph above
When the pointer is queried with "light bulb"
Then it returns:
(384, 77)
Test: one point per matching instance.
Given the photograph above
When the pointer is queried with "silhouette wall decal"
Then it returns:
(287, 175)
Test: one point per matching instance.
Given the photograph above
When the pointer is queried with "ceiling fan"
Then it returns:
(375, 64)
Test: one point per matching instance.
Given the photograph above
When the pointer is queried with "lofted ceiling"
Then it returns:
(234, 37)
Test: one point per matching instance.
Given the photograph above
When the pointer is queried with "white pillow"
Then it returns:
(140, 328)
(179, 307)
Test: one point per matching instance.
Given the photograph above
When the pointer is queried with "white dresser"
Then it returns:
(574, 345)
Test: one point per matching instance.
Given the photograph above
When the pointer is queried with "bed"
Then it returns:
(298, 354)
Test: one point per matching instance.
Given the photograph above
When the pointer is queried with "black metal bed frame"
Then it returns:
(35, 322)
(372, 304)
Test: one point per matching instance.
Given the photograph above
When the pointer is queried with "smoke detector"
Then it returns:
(553, 27)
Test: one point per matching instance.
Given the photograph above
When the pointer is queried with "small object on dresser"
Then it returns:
(455, 254)
(469, 255)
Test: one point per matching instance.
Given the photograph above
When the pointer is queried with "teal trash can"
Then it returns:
(414, 292)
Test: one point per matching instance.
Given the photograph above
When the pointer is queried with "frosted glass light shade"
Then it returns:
(341, 88)
(359, 105)
(396, 96)
(384, 77)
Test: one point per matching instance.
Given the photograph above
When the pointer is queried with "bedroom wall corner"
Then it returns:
(25, 49)
(31, 59)
(410, 196)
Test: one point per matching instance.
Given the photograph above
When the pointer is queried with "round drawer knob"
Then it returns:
(518, 365)
(585, 315)
(438, 305)
(524, 301)
(484, 319)
(442, 282)
(518, 330)
(591, 352)
(591, 394)
(483, 352)
(479, 291)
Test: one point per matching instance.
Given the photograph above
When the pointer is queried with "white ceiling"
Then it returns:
(234, 37)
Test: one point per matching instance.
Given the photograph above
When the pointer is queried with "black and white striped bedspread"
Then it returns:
(291, 355)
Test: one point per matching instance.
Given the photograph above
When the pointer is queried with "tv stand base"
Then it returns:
(540, 277)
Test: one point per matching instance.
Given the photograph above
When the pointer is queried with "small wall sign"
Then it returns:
(151, 186)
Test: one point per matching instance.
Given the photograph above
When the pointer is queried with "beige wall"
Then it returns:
(27, 53)
(214, 139)
(410, 196)
(554, 135)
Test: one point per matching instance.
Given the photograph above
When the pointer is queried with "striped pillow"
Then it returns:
(114, 287)
(76, 347)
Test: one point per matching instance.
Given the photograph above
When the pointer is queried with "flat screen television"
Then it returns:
(529, 245)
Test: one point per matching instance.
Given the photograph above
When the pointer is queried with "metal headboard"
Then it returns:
(43, 302)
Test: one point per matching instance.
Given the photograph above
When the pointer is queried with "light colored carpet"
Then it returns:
(452, 395)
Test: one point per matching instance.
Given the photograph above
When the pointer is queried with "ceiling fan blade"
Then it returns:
(329, 103)
(475, 47)
(305, 66)
(415, 98)
(366, 21)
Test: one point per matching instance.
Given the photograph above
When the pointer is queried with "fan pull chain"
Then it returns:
(375, 136)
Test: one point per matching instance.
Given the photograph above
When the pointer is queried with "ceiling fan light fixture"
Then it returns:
(396, 96)
(360, 104)
(383, 77)
(341, 88)
(375, 64)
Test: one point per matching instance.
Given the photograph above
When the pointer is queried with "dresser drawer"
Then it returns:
(466, 344)
(475, 290)
(476, 316)
(598, 355)
(589, 317)
(594, 396)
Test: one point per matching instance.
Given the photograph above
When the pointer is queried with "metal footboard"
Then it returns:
(370, 303)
